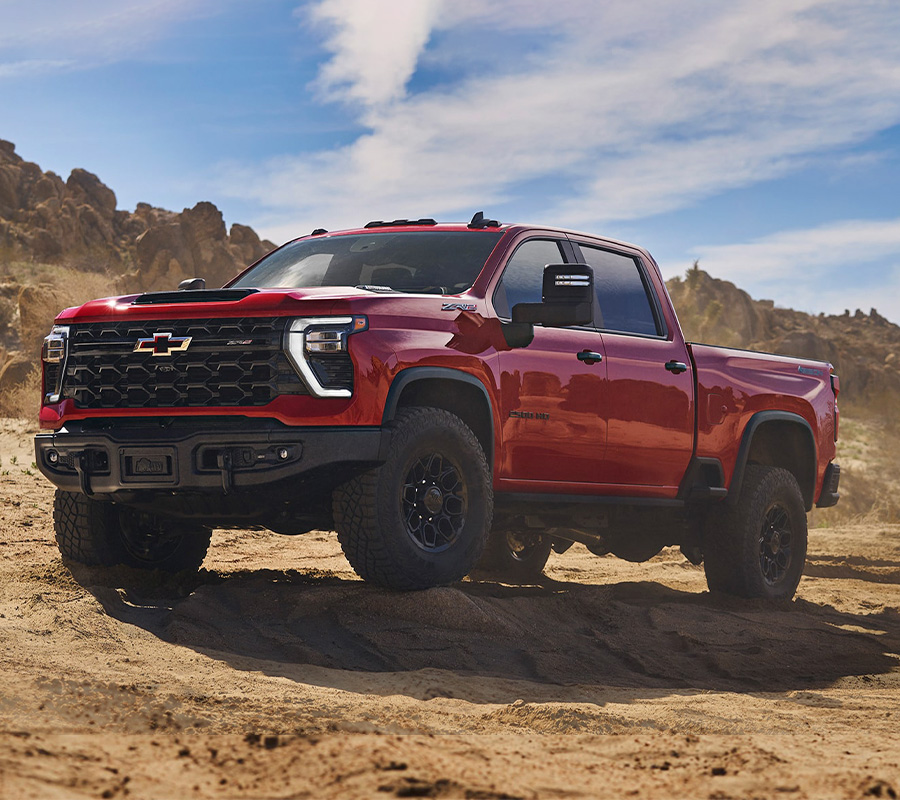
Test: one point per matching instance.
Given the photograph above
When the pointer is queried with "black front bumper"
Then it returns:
(115, 457)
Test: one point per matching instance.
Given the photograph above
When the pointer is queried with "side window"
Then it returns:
(522, 280)
(624, 303)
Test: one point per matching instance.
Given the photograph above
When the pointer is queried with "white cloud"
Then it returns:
(48, 35)
(621, 110)
(374, 49)
(816, 269)
(34, 66)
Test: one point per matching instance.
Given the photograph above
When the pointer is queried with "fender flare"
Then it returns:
(414, 374)
(756, 421)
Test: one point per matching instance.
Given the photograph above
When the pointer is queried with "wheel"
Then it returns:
(98, 533)
(422, 518)
(515, 556)
(757, 548)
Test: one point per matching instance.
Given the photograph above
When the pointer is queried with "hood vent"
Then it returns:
(193, 296)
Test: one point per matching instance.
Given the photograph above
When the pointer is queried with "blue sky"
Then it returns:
(761, 137)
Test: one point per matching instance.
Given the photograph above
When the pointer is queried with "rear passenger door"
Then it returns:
(649, 398)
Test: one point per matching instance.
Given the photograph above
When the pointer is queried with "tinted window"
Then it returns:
(622, 297)
(523, 278)
(443, 262)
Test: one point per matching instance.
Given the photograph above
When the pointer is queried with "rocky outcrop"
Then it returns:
(863, 347)
(76, 222)
(194, 244)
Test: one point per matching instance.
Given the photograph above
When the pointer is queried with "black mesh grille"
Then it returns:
(51, 376)
(334, 371)
(229, 362)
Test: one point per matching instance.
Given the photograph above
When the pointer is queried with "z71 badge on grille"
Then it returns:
(162, 344)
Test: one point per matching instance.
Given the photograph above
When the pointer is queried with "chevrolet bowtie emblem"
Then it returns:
(162, 344)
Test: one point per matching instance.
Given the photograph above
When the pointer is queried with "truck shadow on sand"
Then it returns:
(638, 635)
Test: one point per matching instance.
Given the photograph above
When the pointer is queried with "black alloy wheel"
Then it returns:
(421, 519)
(146, 538)
(515, 556)
(434, 502)
(775, 547)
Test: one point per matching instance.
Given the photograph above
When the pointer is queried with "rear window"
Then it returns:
(624, 302)
(438, 262)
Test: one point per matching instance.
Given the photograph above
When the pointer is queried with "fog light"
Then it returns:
(283, 453)
(53, 457)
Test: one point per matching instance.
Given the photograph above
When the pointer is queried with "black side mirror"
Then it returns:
(192, 283)
(568, 297)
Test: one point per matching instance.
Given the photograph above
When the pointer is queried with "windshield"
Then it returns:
(439, 262)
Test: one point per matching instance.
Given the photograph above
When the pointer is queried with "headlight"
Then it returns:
(53, 357)
(317, 347)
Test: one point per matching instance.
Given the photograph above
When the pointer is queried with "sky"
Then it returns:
(760, 137)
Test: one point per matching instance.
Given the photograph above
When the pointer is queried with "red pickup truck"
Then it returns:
(448, 398)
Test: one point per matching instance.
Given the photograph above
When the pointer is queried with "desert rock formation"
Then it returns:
(76, 222)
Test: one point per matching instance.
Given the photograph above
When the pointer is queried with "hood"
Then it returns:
(207, 303)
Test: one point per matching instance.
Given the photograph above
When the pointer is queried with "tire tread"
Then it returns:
(360, 520)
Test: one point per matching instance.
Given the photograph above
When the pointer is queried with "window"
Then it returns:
(624, 304)
(523, 278)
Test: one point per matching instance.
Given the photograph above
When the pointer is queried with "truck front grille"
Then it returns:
(228, 362)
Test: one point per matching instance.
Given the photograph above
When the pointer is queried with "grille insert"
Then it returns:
(230, 362)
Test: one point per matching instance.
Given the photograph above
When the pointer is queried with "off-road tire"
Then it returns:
(514, 557)
(100, 534)
(386, 531)
(757, 547)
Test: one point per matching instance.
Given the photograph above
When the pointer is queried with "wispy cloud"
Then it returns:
(48, 35)
(827, 268)
(627, 110)
(34, 66)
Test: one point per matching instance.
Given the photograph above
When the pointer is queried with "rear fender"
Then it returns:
(778, 439)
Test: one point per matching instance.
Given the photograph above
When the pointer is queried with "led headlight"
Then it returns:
(53, 359)
(317, 348)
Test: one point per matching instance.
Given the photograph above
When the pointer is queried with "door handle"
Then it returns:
(590, 357)
(676, 367)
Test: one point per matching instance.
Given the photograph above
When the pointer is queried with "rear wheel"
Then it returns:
(99, 533)
(421, 519)
(757, 548)
(515, 556)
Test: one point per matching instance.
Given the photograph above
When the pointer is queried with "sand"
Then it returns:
(277, 673)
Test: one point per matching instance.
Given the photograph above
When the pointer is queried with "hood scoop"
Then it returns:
(193, 296)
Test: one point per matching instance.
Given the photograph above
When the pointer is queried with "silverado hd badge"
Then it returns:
(162, 344)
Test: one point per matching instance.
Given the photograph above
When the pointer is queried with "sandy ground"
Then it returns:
(276, 673)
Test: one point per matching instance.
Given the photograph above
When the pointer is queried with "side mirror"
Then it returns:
(192, 283)
(568, 298)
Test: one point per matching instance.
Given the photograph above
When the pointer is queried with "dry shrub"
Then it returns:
(870, 483)
(39, 305)
(46, 290)
(23, 400)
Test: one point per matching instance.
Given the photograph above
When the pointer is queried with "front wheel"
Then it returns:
(99, 533)
(422, 518)
(757, 548)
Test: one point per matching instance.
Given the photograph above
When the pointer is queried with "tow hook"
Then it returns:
(82, 466)
(224, 463)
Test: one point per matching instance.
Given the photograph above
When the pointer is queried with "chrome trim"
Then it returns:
(151, 344)
(55, 350)
(295, 348)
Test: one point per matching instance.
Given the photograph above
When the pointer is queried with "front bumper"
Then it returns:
(98, 459)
